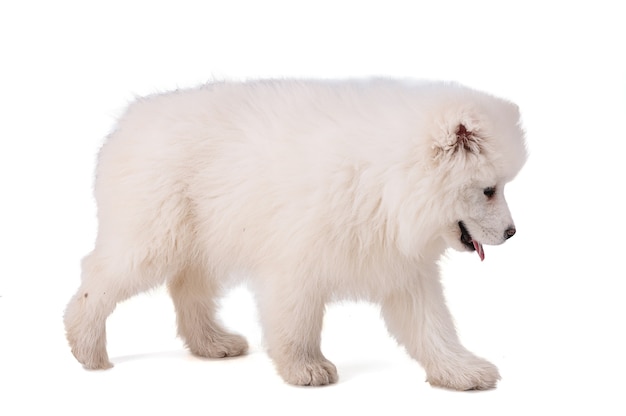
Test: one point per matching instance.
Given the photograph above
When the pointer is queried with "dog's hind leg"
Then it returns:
(194, 294)
(106, 281)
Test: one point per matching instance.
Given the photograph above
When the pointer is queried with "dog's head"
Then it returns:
(477, 150)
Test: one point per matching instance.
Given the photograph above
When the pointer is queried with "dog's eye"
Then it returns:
(489, 191)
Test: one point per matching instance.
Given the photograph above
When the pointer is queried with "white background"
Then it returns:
(547, 307)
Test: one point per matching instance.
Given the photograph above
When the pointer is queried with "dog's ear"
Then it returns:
(466, 140)
(458, 139)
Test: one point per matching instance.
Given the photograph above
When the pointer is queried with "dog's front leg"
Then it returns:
(292, 318)
(419, 320)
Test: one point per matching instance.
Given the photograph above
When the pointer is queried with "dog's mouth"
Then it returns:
(470, 243)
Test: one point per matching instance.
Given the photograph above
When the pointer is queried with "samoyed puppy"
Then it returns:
(311, 191)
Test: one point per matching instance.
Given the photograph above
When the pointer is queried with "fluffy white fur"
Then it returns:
(313, 190)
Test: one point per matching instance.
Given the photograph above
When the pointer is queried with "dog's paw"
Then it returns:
(309, 372)
(91, 358)
(469, 373)
(224, 345)
(89, 348)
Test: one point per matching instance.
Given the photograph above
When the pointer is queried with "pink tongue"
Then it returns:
(479, 249)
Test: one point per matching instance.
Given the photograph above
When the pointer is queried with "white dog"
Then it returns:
(314, 190)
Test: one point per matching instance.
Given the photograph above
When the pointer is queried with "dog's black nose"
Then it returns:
(510, 232)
